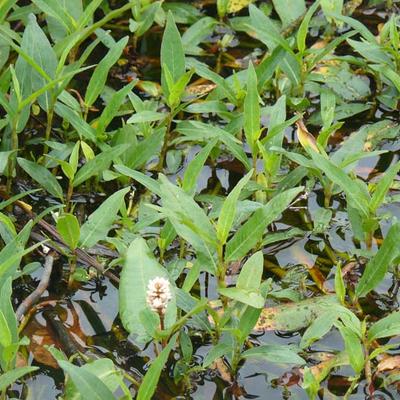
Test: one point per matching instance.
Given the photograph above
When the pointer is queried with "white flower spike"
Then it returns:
(158, 294)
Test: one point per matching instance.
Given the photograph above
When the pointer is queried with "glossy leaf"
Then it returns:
(101, 220)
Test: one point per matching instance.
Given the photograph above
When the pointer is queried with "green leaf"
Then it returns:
(103, 369)
(274, 353)
(172, 53)
(354, 194)
(150, 380)
(377, 267)
(353, 348)
(146, 116)
(88, 384)
(383, 187)
(385, 327)
(249, 297)
(68, 228)
(54, 9)
(112, 108)
(140, 267)
(252, 231)
(140, 177)
(228, 211)
(43, 176)
(340, 288)
(188, 219)
(251, 272)
(98, 164)
(195, 130)
(9, 377)
(36, 45)
(295, 316)
(195, 166)
(252, 112)
(5, 332)
(196, 33)
(101, 220)
(289, 10)
(277, 122)
(319, 327)
(357, 25)
(266, 30)
(216, 352)
(303, 29)
(146, 149)
(99, 76)
(82, 127)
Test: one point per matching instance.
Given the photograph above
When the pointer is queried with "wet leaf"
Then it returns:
(294, 316)
(274, 353)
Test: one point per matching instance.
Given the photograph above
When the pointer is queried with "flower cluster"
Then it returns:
(158, 294)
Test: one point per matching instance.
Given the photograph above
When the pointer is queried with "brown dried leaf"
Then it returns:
(389, 363)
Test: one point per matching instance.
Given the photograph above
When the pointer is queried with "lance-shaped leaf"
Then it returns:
(172, 53)
(377, 267)
(188, 219)
(252, 113)
(252, 231)
(99, 76)
(100, 221)
(228, 211)
(356, 197)
(43, 176)
(36, 45)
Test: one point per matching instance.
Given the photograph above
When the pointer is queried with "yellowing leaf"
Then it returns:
(237, 5)
(305, 138)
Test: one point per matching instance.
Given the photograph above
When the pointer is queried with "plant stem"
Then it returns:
(11, 161)
(49, 126)
(72, 267)
(70, 191)
(164, 148)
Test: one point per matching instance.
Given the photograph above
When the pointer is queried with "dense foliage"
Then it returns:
(199, 199)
